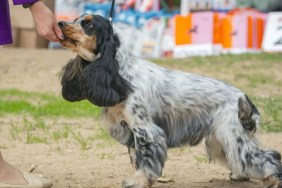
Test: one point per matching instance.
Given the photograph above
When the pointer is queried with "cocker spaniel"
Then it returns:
(151, 108)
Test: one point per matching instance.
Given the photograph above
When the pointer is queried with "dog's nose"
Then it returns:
(62, 24)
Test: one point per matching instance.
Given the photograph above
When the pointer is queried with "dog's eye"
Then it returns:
(88, 23)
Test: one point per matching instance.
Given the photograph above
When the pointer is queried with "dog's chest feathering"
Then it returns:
(118, 125)
(114, 115)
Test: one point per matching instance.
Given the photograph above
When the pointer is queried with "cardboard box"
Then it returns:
(23, 26)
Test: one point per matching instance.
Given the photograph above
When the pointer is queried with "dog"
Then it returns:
(151, 109)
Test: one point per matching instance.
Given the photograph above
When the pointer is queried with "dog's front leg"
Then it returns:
(150, 153)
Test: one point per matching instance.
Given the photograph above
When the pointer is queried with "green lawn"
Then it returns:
(39, 104)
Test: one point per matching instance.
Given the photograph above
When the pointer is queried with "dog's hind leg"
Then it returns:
(148, 157)
(215, 150)
(217, 153)
(243, 155)
(247, 160)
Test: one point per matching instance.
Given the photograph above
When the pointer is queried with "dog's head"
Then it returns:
(88, 36)
(93, 74)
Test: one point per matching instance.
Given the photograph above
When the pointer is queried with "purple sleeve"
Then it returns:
(19, 2)
(5, 24)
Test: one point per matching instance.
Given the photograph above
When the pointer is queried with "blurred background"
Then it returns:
(230, 40)
(172, 28)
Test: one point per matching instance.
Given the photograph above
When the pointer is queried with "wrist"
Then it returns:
(27, 5)
(36, 5)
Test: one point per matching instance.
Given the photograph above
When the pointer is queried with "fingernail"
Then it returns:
(62, 37)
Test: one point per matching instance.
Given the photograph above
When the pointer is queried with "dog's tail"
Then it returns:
(248, 114)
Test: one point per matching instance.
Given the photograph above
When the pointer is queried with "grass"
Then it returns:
(84, 142)
(42, 105)
(61, 134)
(201, 159)
(223, 60)
(107, 156)
(28, 131)
(102, 134)
(271, 113)
(35, 130)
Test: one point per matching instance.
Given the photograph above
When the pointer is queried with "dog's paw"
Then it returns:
(274, 181)
(132, 182)
(128, 183)
(234, 177)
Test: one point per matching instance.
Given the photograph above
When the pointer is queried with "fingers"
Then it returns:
(49, 35)
(53, 37)
(58, 31)
(53, 33)
(50, 30)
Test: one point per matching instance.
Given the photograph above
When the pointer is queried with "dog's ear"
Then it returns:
(105, 37)
(70, 79)
(102, 84)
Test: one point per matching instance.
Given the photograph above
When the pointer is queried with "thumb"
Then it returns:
(58, 31)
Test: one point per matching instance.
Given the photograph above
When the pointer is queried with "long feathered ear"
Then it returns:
(102, 84)
(71, 78)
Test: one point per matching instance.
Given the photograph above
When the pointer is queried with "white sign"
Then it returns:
(272, 40)
(183, 51)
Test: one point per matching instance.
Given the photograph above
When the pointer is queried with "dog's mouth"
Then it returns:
(69, 40)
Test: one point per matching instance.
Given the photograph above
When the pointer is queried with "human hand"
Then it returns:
(45, 21)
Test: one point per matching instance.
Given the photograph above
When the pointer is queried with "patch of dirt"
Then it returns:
(104, 164)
